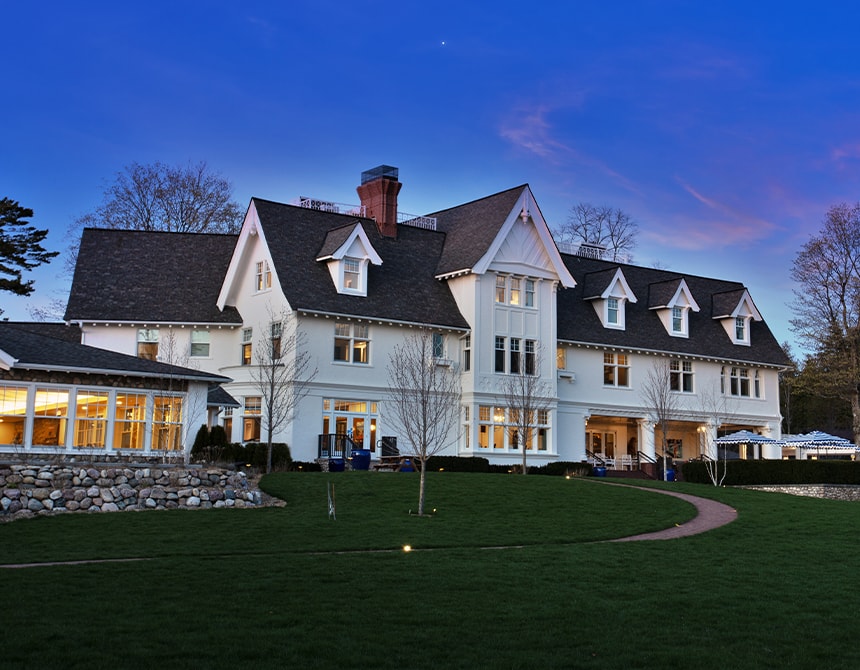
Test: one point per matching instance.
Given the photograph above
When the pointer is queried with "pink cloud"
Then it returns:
(531, 131)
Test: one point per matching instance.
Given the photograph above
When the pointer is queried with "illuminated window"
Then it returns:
(262, 276)
(167, 423)
(561, 358)
(13, 412)
(351, 343)
(515, 291)
(51, 417)
(499, 428)
(91, 419)
(147, 343)
(616, 370)
(247, 345)
(352, 274)
(251, 419)
(129, 421)
(500, 289)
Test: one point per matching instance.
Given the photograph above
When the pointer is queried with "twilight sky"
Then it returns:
(725, 129)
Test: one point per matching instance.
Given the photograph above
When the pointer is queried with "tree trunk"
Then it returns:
(855, 416)
(421, 487)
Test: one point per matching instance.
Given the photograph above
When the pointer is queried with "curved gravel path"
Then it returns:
(711, 514)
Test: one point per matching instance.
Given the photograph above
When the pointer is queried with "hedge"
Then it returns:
(742, 472)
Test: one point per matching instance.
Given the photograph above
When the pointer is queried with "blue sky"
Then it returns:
(725, 129)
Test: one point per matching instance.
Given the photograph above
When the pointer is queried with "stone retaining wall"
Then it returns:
(831, 491)
(27, 489)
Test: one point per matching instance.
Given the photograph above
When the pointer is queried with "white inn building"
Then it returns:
(485, 277)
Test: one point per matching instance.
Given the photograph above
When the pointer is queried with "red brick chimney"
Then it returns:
(378, 193)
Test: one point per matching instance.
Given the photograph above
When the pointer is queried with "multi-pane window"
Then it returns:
(351, 273)
(530, 357)
(498, 428)
(741, 383)
(530, 293)
(501, 284)
(677, 320)
(91, 419)
(616, 369)
(467, 353)
(247, 339)
(351, 343)
(275, 332)
(515, 291)
(681, 376)
(740, 329)
(167, 423)
(262, 276)
(227, 422)
(51, 417)
(612, 311)
(438, 345)
(129, 421)
(199, 343)
(515, 356)
(147, 343)
(13, 413)
(251, 418)
(500, 354)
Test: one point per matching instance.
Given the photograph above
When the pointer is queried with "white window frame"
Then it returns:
(681, 376)
(262, 277)
(613, 364)
(352, 338)
(201, 343)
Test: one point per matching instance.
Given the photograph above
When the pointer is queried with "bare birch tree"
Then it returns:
(660, 400)
(718, 408)
(423, 401)
(526, 396)
(282, 372)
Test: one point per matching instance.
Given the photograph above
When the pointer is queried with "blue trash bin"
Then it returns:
(670, 475)
(361, 459)
(336, 465)
(599, 471)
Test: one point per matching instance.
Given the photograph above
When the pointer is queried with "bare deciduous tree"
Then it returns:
(718, 408)
(423, 401)
(526, 395)
(660, 400)
(827, 305)
(604, 226)
(282, 373)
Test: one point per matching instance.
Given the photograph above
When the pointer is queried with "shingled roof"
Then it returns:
(578, 322)
(150, 277)
(402, 288)
(25, 347)
(471, 228)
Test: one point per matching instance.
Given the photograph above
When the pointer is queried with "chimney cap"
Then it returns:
(379, 172)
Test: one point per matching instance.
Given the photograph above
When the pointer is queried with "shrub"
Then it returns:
(458, 464)
(565, 468)
(741, 472)
(201, 443)
(218, 437)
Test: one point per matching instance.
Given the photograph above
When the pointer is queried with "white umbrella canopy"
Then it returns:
(744, 437)
(817, 438)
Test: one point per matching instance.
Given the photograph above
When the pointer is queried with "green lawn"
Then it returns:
(508, 573)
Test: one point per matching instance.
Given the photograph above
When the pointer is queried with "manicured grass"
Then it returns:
(289, 588)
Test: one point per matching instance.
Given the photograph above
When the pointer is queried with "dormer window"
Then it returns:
(741, 328)
(609, 293)
(348, 253)
(677, 320)
(351, 274)
(736, 311)
(612, 311)
(673, 301)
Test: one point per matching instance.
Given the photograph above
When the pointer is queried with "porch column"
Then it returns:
(707, 434)
(772, 450)
(646, 437)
